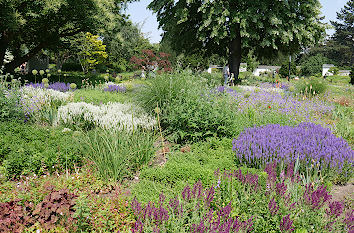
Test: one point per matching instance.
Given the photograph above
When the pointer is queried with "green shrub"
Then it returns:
(118, 154)
(37, 150)
(213, 79)
(192, 111)
(313, 65)
(69, 77)
(311, 86)
(284, 69)
(71, 66)
(334, 70)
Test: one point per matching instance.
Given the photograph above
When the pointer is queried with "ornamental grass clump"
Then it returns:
(310, 144)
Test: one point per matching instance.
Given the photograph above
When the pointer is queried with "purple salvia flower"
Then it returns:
(209, 196)
(273, 207)
(286, 224)
(186, 194)
(335, 209)
(280, 189)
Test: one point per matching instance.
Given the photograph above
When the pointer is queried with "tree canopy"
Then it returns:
(344, 34)
(28, 26)
(229, 27)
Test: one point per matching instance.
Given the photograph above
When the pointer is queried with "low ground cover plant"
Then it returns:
(97, 97)
(69, 202)
(28, 149)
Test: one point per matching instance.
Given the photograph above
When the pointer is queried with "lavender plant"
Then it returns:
(116, 88)
(310, 144)
(57, 86)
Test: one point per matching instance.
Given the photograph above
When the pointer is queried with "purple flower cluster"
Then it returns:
(335, 209)
(307, 110)
(195, 200)
(308, 142)
(286, 224)
(273, 207)
(251, 180)
(57, 86)
(316, 199)
(116, 88)
(267, 85)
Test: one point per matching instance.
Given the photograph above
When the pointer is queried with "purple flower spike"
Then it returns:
(286, 224)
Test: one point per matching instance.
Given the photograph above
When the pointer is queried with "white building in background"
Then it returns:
(262, 69)
(344, 72)
(325, 69)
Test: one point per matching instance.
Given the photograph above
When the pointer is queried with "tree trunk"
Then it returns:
(10, 67)
(235, 55)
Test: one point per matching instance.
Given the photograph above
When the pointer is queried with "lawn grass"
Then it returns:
(100, 97)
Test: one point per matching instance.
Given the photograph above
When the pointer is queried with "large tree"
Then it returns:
(228, 27)
(344, 34)
(28, 26)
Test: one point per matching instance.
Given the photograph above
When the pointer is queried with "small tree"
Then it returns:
(149, 61)
(352, 76)
(284, 69)
(92, 52)
(334, 70)
(312, 65)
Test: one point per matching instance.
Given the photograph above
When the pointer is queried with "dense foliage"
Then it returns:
(312, 65)
(37, 149)
(311, 86)
(191, 110)
(228, 28)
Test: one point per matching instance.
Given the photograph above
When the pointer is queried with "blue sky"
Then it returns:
(149, 25)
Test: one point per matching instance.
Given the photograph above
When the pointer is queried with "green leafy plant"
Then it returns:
(311, 87)
(192, 110)
(10, 99)
(284, 69)
(37, 149)
(92, 51)
(334, 70)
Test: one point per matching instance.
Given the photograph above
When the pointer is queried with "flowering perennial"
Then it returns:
(109, 116)
(307, 142)
(307, 110)
(57, 86)
(35, 99)
(116, 88)
(196, 201)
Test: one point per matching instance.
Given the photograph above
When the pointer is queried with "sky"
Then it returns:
(149, 25)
